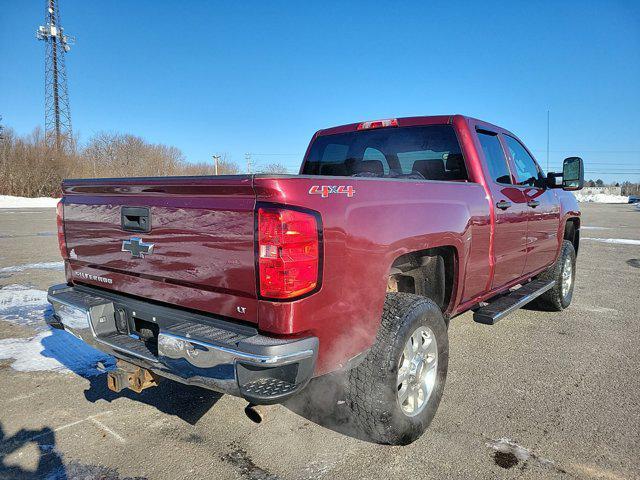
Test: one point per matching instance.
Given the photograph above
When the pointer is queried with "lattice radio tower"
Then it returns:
(57, 117)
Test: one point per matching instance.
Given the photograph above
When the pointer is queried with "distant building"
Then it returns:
(605, 190)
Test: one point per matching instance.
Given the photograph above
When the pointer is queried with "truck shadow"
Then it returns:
(186, 402)
(49, 461)
(323, 403)
(183, 401)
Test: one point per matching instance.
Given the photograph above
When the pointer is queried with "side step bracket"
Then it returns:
(503, 306)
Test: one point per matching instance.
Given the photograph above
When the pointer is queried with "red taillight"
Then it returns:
(62, 244)
(288, 252)
(391, 122)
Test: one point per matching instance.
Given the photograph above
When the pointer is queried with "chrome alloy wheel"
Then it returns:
(417, 370)
(567, 276)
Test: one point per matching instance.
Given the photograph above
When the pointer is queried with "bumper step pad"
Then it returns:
(268, 387)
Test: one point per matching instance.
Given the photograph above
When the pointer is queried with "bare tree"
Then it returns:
(30, 167)
(277, 168)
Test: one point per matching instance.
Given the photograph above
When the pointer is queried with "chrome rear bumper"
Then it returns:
(187, 347)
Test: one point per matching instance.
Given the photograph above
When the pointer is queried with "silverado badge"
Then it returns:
(136, 247)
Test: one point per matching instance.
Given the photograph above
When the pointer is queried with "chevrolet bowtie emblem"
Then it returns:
(136, 247)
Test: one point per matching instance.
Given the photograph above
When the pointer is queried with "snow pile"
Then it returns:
(34, 266)
(601, 198)
(24, 306)
(7, 201)
(49, 349)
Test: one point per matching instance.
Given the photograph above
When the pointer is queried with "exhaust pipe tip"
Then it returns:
(255, 413)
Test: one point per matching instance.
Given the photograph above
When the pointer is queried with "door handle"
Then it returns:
(503, 204)
(533, 203)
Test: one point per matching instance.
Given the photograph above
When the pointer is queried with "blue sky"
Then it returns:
(262, 77)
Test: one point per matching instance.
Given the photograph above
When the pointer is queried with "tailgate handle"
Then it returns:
(135, 219)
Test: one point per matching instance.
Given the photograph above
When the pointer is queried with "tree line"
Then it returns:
(31, 167)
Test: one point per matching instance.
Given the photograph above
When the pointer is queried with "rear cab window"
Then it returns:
(430, 152)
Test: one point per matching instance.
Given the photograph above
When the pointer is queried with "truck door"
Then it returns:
(543, 208)
(510, 208)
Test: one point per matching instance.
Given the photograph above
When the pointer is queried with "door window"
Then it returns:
(494, 156)
(527, 171)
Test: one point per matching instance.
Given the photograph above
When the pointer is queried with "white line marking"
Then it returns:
(21, 397)
(68, 425)
(621, 241)
(108, 430)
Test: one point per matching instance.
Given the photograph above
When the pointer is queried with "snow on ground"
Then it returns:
(600, 198)
(7, 201)
(510, 448)
(49, 349)
(34, 266)
(24, 306)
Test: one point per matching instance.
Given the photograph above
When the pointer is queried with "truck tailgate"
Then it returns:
(201, 229)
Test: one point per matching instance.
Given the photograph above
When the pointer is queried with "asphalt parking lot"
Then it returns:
(539, 395)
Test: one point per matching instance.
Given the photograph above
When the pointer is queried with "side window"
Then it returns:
(526, 169)
(495, 158)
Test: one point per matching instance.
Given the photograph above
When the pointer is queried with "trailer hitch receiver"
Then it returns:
(127, 375)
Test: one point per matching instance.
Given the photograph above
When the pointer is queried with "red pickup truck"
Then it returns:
(254, 284)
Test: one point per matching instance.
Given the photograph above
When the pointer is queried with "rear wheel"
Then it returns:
(395, 392)
(564, 273)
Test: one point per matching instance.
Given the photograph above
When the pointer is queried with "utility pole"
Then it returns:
(247, 157)
(216, 159)
(547, 141)
(57, 118)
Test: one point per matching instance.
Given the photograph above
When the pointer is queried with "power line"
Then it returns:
(276, 154)
(585, 151)
(602, 163)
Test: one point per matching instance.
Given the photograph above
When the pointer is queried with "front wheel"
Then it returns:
(563, 272)
(395, 392)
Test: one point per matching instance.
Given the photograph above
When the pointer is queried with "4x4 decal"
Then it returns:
(325, 190)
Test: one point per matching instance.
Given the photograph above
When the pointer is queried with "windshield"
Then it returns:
(429, 152)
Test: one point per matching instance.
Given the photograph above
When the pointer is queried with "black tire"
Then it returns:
(553, 300)
(372, 390)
